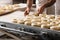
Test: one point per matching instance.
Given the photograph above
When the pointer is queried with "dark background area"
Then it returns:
(22, 1)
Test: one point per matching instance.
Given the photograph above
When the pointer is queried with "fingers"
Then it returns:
(26, 13)
(40, 10)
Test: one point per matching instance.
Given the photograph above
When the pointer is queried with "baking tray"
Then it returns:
(45, 33)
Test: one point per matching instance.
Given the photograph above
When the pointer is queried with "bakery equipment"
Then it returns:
(28, 32)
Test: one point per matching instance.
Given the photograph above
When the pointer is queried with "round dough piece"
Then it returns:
(2, 11)
(20, 22)
(55, 28)
(36, 24)
(45, 22)
(36, 20)
(8, 7)
(53, 24)
(14, 20)
(35, 14)
(39, 24)
(36, 17)
(45, 26)
(51, 17)
(16, 5)
(40, 15)
(27, 19)
(58, 18)
(28, 15)
(43, 18)
(43, 15)
(27, 23)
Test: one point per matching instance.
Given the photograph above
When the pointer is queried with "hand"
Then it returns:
(27, 11)
(40, 10)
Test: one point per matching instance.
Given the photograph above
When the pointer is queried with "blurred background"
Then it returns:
(22, 1)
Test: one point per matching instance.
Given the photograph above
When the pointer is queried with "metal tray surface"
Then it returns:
(44, 33)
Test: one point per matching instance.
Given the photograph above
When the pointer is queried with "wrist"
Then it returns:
(28, 8)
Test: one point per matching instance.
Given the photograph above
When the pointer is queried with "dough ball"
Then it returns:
(36, 17)
(55, 28)
(43, 15)
(28, 15)
(58, 18)
(45, 22)
(45, 26)
(8, 7)
(51, 17)
(2, 11)
(16, 5)
(57, 22)
(39, 24)
(20, 21)
(52, 20)
(14, 20)
(59, 25)
(53, 24)
(36, 20)
(27, 23)
(36, 24)
(35, 14)
(43, 18)
(40, 15)
(27, 19)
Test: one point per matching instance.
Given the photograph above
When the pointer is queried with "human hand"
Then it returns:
(27, 11)
(40, 10)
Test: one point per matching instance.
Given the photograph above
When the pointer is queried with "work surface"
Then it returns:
(10, 16)
(16, 14)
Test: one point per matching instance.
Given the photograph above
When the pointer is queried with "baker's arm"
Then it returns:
(48, 4)
(29, 5)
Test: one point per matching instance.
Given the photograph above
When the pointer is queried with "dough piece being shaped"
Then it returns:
(35, 14)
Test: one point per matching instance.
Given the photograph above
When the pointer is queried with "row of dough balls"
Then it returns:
(8, 8)
(11, 7)
(42, 21)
